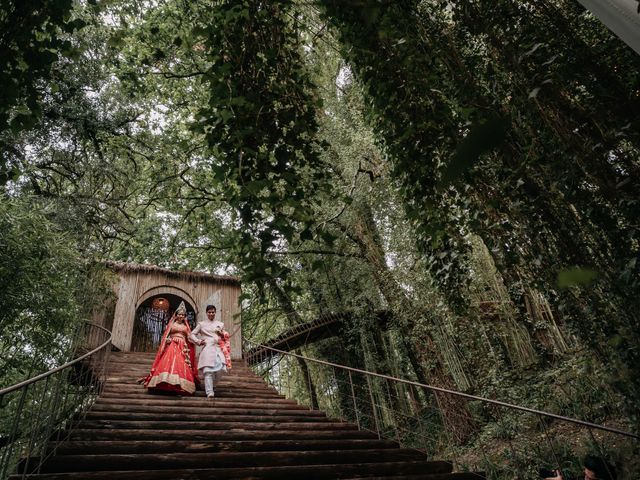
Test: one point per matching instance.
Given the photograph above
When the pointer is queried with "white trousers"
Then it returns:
(210, 381)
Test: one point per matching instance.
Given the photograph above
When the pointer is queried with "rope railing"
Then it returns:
(503, 440)
(39, 413)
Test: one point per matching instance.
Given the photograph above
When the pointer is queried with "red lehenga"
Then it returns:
(174, 367)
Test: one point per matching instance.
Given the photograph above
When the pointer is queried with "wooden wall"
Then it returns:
(137, 285)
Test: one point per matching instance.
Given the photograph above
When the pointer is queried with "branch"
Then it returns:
(318, 252)
(209, 195)
(168, 74)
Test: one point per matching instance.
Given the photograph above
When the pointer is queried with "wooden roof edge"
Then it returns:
(127, 267)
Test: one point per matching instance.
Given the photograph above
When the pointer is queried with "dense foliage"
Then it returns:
(470, 168)
(47, 290)
(32, 40)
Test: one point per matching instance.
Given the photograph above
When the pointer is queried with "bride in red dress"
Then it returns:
(174, 367)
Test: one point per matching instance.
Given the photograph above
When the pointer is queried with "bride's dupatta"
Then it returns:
(163, 345)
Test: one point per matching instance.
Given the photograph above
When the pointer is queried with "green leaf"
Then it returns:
(482, 138)
(116, 40)
(76, 24)
(575, 276)
(288, 231)
(306, 234)
(615, 341)
(328, 237)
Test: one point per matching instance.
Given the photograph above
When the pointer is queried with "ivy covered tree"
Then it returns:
(457, 181)
(536, 198)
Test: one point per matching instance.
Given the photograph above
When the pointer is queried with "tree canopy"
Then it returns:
(470, 166)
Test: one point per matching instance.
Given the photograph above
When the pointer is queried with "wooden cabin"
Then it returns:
(147, 296)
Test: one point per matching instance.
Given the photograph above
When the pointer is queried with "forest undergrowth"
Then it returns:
(470, 168)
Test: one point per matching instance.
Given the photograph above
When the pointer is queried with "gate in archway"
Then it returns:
(151, 320)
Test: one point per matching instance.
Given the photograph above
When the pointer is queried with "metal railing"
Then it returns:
(40, 412)
(476, 434)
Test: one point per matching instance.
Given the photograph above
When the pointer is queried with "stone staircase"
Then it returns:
(248, 431)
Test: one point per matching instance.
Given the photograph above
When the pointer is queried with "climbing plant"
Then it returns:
(535, 210)
(469, 168)
(34, 36)
(259, 125)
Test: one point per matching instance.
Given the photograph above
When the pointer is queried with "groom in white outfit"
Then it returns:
(211, 361)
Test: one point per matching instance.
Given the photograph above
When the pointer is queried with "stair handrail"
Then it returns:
(370, 405)
(37, 378)
(456, 393)
(45, 408)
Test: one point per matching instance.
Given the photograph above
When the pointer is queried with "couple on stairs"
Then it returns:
(175, 368)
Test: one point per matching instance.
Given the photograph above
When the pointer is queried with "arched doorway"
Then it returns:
(152, 316)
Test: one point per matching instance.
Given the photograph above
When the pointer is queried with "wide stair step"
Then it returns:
(159, 434)
(194, 446)
(206, 416)
(247, 431)
(211, 407)
(207, 425)
(394, 470)
(173, 460)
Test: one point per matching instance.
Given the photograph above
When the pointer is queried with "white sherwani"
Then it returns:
(211, 358)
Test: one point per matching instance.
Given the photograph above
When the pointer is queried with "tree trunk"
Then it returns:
(294, 319)
(453, 409)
